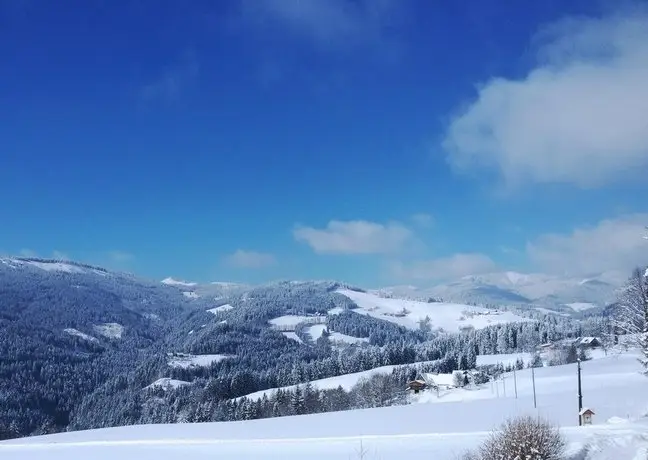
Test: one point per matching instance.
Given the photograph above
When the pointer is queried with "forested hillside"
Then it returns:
(80, 347)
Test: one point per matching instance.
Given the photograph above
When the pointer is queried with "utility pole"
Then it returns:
(515, 382)
(504, 385)
(580, 394)
(535, 405)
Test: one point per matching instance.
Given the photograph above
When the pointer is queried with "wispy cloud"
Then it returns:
(118, 256)
(444, 268)
(55, 254)
(60, 255)
(355, 237)
(250, 259)
(26, 252)
(610, 245)
(170, 84)
(338, 24)
(423, 220)
(579, 117)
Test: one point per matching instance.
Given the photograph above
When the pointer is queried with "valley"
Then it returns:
(128, 351)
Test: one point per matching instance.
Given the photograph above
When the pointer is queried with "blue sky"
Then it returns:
(378, 142)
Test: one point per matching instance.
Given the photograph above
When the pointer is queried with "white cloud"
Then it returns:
(611, 245)
(337, 23)
(250, 259)
(444, 268)
(423, 220)
(60, 255)
(579, 117)
(355, 237)
(120, 256)
(26, 252)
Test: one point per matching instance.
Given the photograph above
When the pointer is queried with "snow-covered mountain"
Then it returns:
(513, 288)
(217, 290)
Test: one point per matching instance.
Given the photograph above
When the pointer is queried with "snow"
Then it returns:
(551, 312)
(516, 278)
(78, 333)
(316, 332)
(504, 359)
(110, 330)
(294, 320)
(291, 335)
(173, 282)
(346, 381)
(441, 428)
(55, 266)
(186, 360)
(190, 294)
(226, 284)
(581, 306)
(440, 379)
(335, 311)
(448, 316)
(167, 383)
(220, 309)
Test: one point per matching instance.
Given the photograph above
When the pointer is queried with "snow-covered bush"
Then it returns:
(522, 438)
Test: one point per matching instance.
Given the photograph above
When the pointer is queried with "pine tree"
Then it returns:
(631, 312)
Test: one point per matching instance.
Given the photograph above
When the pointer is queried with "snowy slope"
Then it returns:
(448, 316)
(315, 332)
(184, 360)
(173, 282)
(167, 383)
(508, 359)
(346, 381)
(612, 387)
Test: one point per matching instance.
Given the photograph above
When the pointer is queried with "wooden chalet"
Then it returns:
(416, 385)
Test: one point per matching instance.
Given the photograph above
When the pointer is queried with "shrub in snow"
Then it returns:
(458, 379)
(522, 438)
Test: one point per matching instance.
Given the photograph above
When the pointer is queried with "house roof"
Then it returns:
(586, 340)
(586, 410)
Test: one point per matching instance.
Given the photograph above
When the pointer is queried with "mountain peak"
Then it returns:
(173, 282)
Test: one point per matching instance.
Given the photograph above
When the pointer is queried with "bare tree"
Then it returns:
(525, 438)
(631, 314)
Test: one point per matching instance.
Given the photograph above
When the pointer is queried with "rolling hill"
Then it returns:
(82, 347)
(428, 427)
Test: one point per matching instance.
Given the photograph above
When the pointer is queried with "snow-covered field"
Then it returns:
(186, 360)
(346, 381)
(80, 334)
(291, 321)
(448, 316)
(431, 427)
(504, 359)
(167, 383)
(110, 330)
(315, 332)
(222, 308)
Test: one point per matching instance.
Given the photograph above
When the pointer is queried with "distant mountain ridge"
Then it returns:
(513, 288)
(570, 295)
